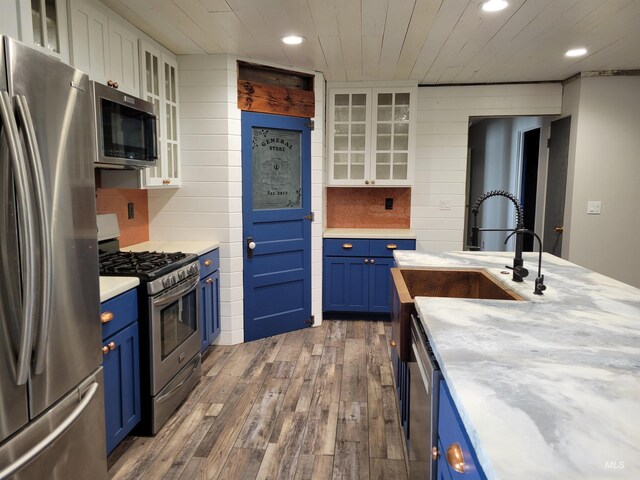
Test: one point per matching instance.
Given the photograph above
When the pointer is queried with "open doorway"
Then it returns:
(506, 153)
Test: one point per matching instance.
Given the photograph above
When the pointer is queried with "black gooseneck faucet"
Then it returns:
(539, 286)
(519, 272)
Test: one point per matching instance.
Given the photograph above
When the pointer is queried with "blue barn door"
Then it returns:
(276, 208)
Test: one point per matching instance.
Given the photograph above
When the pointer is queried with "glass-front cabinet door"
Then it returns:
(348, 138)
(160, 87)
(44, 25)
(371, 136)
(392, 145)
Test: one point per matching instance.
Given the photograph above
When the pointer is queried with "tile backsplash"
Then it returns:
(112, 200)
(365, 207)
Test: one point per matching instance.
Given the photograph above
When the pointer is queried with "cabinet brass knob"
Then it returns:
(435, 453)
(392, 246)
(559, 229)
(373, 182)
(106, 317)
(366, 260)
(347, 246)
(366, 182)
(105, 350)
(111, 345)
(392, 343)
(207, 262)
(455, 458)
(373, 261)
(209, 280)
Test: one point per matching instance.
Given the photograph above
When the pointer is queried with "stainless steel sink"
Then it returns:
(436, 282)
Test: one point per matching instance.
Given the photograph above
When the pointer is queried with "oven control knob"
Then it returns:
(182, 274)
(165, 282)
(193, 269)
(173, 279)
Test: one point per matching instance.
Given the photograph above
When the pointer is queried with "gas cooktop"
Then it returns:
(145, 265)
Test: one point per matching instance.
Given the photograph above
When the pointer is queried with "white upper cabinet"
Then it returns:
(43, 24)
(159, 80)
(104, 45)
(372, 136)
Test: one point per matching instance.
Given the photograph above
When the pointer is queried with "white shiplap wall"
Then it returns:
(441, 150)
(209, 204)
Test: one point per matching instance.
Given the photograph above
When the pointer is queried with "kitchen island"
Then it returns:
(548, 387)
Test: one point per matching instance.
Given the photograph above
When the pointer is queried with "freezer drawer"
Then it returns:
(78, 453)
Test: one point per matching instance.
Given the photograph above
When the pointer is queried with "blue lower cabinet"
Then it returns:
(356, 275)
(121, 384)
(452, 435)
(209, 309)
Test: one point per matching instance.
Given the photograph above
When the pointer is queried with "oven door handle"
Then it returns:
(175, 293)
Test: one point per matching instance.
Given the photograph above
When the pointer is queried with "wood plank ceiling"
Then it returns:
(430, 41)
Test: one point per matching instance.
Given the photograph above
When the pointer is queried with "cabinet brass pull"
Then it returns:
(392, 246)
(455, 458)
(207, 262)
(111, 345)
(347, 246)
(105, 350)
(392, 343)
(209, 280)
(559, 229)
(106, 317)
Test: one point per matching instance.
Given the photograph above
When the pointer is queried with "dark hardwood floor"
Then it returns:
(318, 403)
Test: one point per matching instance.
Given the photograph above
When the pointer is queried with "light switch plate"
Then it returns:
(445, 204)
(594, 207)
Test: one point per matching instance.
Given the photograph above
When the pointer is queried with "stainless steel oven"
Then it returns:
(174, 340)
(174, 330)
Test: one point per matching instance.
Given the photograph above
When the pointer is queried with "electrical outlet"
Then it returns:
(445, 204)
(388, 203)
(130, 212)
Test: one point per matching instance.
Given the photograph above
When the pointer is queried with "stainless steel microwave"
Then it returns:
(127, 129)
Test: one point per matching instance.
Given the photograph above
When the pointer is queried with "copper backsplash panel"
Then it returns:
(112, 200)
(364, 207)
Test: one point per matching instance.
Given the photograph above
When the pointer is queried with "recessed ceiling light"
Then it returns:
(293, 39)
(494, 5)
(576, 52)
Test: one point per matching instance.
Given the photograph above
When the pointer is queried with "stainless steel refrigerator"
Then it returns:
(51, 384)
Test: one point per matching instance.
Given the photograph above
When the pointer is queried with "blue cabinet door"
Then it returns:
(121, 384)
(346, 284)
(451, 431)
(380, 284)
(209, 309)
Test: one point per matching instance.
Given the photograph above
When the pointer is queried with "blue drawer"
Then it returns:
(209, 263)
(118, 312)
(346, 247)
(385, 248)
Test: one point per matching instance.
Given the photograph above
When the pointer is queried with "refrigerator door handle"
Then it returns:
(25, 216)
(46, 268)
(53, 436)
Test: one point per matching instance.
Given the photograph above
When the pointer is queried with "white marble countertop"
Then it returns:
(197, 247)
(384, 233)
(113, 286)
(547, 388)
